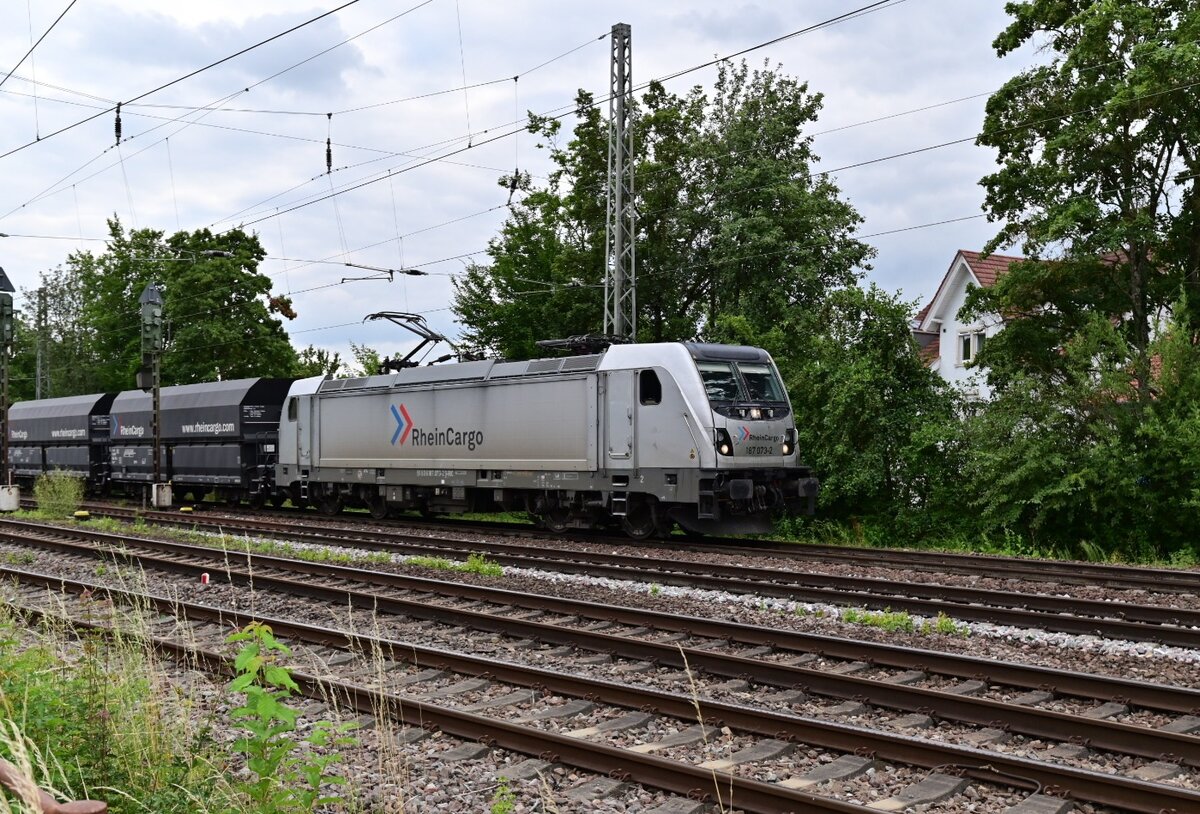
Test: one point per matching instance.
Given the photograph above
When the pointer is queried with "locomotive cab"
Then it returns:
(757, 469)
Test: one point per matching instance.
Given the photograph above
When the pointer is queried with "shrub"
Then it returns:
(58, 493)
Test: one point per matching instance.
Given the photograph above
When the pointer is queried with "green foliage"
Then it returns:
(504, 801)
(220, 318)
(891, 621)
(943, 625)
(479, 564)
(283, 781)
(314, 361)
(475, 564)
(58, 493)
(871, 416)
(732, 221)
(96, 725)
(366, 360)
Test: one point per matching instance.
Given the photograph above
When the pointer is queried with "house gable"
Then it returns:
(936, 327)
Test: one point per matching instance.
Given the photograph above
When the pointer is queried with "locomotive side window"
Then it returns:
(719, 381)
(649, 387)
(761, 382)
(292, 409)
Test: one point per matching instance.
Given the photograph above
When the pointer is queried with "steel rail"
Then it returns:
(1153, 696)
(1113, 736)
(986, 766)
(1171, 626)
(990, 565)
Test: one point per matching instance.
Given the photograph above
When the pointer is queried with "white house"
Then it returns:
(948, 344)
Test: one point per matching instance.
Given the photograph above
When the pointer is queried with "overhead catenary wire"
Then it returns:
(958, 141)
(186, 76)
(33, 47)
(211, 107)
(869, 8)
(325, 286)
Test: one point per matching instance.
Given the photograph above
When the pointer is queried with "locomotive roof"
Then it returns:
(615, 357)
(65, 407)
(230, 393)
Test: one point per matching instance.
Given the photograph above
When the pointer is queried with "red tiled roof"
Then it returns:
(987, 269)
(931, 352)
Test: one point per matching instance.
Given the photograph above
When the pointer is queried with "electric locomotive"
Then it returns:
(642, 436)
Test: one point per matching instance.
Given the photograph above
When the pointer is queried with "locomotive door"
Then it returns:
(618, 416)
(303, 438)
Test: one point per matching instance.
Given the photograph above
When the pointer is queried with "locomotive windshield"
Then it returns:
(740, 381)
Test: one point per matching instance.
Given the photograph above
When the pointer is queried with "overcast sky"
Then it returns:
(183, 168)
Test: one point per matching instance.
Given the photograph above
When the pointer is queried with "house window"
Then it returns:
(969, 345)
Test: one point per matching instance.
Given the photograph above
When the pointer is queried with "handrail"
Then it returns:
(16, 782)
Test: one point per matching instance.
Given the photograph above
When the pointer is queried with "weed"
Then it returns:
(85, 717)
(18, 558)
(284, 783)
(478, 564)
(944, 626)
(437, 563)
(503, 800)
(475, 564)
(655, 589)
(885, 620)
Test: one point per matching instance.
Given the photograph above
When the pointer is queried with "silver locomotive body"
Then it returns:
(640, 435)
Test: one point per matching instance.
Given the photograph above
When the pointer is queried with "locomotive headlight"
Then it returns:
(789, 442)
(724, 442)
(755, 413)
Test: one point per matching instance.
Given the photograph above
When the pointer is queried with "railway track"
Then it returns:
(428, 685)
(822, 666)
(1106, 575)
(1174, 626)
(1122, 577)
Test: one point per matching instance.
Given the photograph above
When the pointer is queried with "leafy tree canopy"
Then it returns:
(1097, 153)
(731, 221)
(220, 320)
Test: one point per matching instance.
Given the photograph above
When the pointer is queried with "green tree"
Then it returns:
(732, 221)
(1086, 447)
(366, 360)
(220, 320)
(869, 412)
(1097, 151)
(314, 361)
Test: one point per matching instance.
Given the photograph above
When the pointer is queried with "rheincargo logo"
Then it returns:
(449, 437)
(125, 431)
(403, 424)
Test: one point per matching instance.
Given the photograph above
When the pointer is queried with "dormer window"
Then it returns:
(969, 345)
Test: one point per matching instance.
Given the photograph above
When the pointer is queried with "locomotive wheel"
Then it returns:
(641, 523)
(330, 506)
(378, 507)
(257, 500)
(557, 520)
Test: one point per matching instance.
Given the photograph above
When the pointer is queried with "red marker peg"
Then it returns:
(204, 579)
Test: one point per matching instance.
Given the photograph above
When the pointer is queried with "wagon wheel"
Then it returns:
(258, 500)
